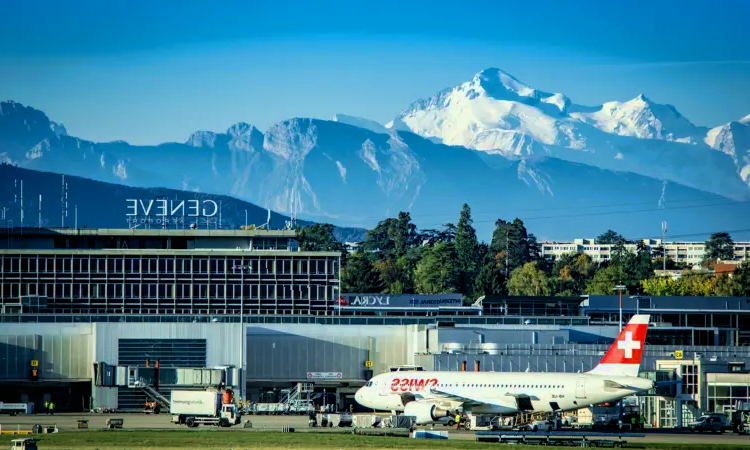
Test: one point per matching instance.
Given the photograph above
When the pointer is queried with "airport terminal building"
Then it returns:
(89, 312)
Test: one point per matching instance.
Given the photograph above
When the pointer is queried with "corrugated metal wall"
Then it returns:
(289, 352)
(63, 352)
(222, 339)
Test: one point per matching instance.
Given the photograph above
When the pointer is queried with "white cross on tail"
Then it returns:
(628, 344)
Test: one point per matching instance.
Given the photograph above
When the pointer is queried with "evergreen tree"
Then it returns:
(642, 265)
(741, 279)
(466, 245)
(436, 272)
(490, 279)
(515, 244)
(319, 238)
(359, 277)
(432, 236)
(611, 237)
(719, 246)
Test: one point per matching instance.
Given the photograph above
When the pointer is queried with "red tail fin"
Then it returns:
(624, 356)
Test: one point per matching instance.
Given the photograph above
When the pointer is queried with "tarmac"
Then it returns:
(69, 422)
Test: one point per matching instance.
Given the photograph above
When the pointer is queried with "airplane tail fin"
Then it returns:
(624, 356)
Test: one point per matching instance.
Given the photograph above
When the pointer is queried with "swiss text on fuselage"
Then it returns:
(412, 384)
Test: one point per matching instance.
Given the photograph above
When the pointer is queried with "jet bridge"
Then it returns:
(156, 383)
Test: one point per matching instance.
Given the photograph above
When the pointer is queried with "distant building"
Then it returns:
(690, 253)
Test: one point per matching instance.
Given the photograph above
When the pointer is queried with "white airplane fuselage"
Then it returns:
(568, 390)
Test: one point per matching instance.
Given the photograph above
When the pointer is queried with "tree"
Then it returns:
(391, 275)
(719, 246)
(642, 267)
(605, 280)
(436, 272)
(659, 286)
(689, 283)
(611, 237)
(571, 272)
(319, 237)
(392, 237)
(513, 241)
(490, 279)
(741, 279)
(528, 280)
(619, 255)
(358, 276)
(466, 245)
(432, 237)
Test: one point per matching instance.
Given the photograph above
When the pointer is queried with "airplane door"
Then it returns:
(581, 387)
(384, 387)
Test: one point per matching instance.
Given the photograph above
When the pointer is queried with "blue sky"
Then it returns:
(150, 72)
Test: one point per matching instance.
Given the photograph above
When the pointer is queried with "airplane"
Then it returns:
(431, 395)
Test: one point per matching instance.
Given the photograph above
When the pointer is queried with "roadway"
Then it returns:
(69, 422)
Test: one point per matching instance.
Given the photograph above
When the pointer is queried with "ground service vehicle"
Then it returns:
(16, 408)
(193, 408)
(711, 422)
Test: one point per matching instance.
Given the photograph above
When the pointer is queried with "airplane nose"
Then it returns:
(358, 396)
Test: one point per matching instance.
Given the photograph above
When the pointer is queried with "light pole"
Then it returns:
(620, 288)
(242, 354)
(245, 218)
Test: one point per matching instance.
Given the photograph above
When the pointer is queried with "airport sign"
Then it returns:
(324, 375)
(398, 301)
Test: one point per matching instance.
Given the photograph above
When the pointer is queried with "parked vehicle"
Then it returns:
(193, 408)
(16, 408)
(716, 423)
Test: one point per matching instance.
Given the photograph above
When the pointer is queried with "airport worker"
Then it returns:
(46, 406)
(52, 408)
(643, 422)
(632, 422)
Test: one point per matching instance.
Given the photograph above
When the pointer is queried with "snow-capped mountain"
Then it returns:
(497, 113)
(733, 139)
(493, 142)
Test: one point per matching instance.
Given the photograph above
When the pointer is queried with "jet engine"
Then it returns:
(424, 412)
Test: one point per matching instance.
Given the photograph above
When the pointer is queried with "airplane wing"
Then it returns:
(471, 400)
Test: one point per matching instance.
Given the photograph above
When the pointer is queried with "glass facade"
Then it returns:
(726, 389)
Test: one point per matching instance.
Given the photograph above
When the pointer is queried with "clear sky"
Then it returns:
(155, 71)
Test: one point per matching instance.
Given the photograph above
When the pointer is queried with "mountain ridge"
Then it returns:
(352, 171)
(497, 113)
(103, 205)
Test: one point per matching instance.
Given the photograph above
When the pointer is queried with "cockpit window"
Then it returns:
(368, 384)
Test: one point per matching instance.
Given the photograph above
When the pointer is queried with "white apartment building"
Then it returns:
(687, 252)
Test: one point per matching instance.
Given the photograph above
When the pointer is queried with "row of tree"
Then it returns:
(398, 258)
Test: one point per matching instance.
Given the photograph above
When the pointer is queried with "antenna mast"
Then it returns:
(21, 205)
(40, 211)
(63, 201)
(664, 243)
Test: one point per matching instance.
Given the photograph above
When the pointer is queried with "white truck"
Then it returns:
(16, 408)
(193, 408)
